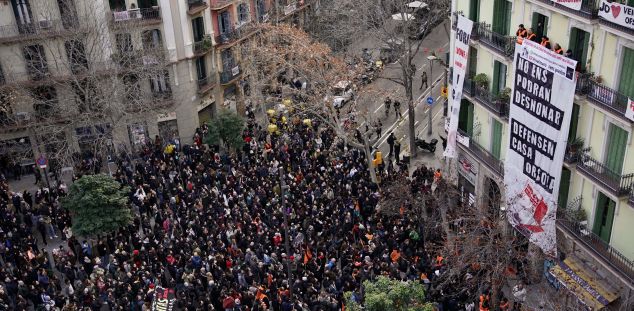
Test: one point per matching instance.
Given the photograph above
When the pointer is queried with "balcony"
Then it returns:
(571, 157)
(505, 45)
(203, 46)
(145, 16)
(619, 185)
(207, 83)
(196, 6)
(608, 255)
(589, 8)
(229, 75)
(219, 4)
(494, 103)
(240, 32)
(37, 30)
(630, 200)
(608, 99)
(484, 156)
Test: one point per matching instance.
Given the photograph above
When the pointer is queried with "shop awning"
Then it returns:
(584, 284)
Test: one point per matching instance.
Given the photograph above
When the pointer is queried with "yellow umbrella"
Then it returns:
(287, 102)
(272, 128)
(270, 112)
(307, 122)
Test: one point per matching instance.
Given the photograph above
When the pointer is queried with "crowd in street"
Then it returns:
(210, 226)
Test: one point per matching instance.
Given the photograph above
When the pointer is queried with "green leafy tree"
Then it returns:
(98, 205)
(387, 294)
(226, 127)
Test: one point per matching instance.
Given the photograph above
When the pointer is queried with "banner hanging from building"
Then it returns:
(617, 13)
(164, 299)
(539, 120)
(573, 4)
(460, 58)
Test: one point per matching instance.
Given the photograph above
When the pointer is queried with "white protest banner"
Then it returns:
(539, 118)
(460, 58)
(573, 4)
(629, 111)
(617, 13)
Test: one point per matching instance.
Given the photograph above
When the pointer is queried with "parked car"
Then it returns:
(343, 93)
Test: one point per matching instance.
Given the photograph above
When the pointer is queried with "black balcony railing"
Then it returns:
(589, 8)
(573, 155)
(235, 34)
(504, 45)
(26, 31)
(608, 98)
(483, 155)
(226, 37)
(497, 104)
(204, 45)
(609, 255)
(137, 15)
(618, 184)
(206, 83)
(229, 74)
(631, 198)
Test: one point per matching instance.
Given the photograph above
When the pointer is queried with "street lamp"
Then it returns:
(431, 59)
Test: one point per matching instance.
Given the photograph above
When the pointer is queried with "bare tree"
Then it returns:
(284, 62)
(83, 75)
(393, 25)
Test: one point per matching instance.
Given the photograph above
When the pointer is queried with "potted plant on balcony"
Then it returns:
(575, 145)
(504, 95)
(481, 80)
(206, 43)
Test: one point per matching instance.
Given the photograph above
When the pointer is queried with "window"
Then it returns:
(117, 5)
(151, 39)
(501, 17)
(23, 16)
(626, 82)
(465, 119)
(604, 217)
(564, 188)
(473, 62)
(85, 95)
(224, 22)
(227, 60)
(615, 153)
(474, 11)
(124, 42)
(76, 56)
(496, 138)
(540, 25)
(159, 84)
(45, 98)
(132, 90)
(499, 77)
(146, 4)
(201, 69)
(198, 28)
(243, 13)
(574, 122)
(35, 61)
(579, 42)
(68, 13)
(261, 9)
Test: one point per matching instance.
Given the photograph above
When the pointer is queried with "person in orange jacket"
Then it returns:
(558, 49)
(546, 42)
(484, 302)
(531, 35)
(521, 33)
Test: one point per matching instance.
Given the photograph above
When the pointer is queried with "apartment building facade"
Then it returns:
(196, 43)
(598, 170)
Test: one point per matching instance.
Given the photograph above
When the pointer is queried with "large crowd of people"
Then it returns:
(210, 225)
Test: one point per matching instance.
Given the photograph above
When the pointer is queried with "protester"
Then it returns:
(210, 226)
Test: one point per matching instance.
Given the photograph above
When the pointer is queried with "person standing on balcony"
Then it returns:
(546, 42)
(558, 49)
(531, 35)
(521, 33)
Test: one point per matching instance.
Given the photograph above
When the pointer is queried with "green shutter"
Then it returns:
(496, 138)
(604, 217)
(626, 84)
(564, 188)
(495, 86)
(507, 18)
(574, 122)
(617, 142)
(473, 61)
(498, 16)
(579, 42)
(465, 119)
(474, 11)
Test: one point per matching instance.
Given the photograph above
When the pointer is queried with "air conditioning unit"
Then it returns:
(23, 116)
(45, 24)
